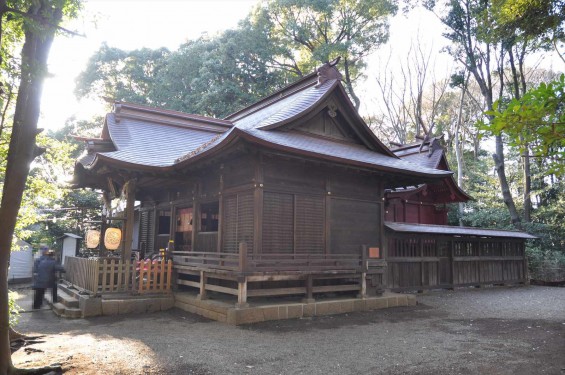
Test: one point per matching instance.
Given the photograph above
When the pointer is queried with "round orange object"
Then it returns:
(92, 239)
(112, 238)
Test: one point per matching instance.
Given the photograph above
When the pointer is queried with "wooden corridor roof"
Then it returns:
(454, 230)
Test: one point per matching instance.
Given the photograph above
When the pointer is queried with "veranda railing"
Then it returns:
(111, 275)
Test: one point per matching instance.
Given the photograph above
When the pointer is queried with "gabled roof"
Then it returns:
(429, 154)
(146, 138)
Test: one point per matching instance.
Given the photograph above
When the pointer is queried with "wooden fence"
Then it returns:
(111, 275)
(426, 262)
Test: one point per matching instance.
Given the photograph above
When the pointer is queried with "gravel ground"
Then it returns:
(502, 330)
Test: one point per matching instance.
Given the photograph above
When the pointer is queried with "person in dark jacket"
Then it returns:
(45, 271)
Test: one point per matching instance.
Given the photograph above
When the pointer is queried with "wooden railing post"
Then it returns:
(202, 294)
(364, 269)
(242, 256)
(242, 280)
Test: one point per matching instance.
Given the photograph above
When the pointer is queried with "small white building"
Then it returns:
(21, 262)
(70, 245)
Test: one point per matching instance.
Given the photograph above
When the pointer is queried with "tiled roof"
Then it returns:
(146, 137)
(423, 158)
(150, 144)
(455, 231)
(337, 150)
(285, 108)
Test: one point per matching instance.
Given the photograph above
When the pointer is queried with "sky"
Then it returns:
(130, 24)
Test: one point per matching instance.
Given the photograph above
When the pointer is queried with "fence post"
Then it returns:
(169, 274)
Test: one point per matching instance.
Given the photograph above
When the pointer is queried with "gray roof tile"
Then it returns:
(151, 144)
(455, 231)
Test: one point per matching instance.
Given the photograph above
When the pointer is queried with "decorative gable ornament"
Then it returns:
(328, 71)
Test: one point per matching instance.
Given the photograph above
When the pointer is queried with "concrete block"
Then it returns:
(347, 306)
(110, 308)
(152, 305)
(295, 311)
(377, 303)
(167, 303)
(283, 312)
(411, 300)
(131, 307)
(309, 310)
(271, 313)
(328, 308)
(392, 301)
(402, 300)
(245, 316)
(359, 305)
(90, 306)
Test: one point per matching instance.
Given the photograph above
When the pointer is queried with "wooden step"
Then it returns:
(66, 299)
(66, 312)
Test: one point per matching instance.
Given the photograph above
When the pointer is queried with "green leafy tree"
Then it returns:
(307, 33)
(30, 25)
(124, 75)
(535, 122)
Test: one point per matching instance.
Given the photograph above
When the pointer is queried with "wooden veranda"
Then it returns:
(245, 274)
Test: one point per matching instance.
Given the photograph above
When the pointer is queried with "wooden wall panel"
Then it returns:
(229, 234)
(278, 223)
(245, 222)
(289, 175)
(353, 224)
(238, 222)
(238, 172)
(147, 231)
(310, 224)
(355, 186)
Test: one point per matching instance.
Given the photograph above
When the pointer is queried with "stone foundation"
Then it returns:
(261, 312)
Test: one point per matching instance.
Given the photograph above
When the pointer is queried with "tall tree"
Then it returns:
(309, 32)
(37, 22)
(477, 46)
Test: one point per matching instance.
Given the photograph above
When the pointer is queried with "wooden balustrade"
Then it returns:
(82, 272)
(244, 262)
(154, 276)
(112, 275)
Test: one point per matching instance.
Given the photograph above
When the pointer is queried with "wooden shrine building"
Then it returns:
(287, 196)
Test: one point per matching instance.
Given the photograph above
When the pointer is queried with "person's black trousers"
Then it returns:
(38, 294)
(54, 293)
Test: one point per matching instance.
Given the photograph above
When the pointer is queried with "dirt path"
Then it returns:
(476, 331)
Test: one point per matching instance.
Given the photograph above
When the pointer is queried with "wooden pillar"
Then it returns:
(242, 280)
(364, 269)
(242, 293)
(309, 290)
(258, 205)
(422, 274)
(202, 295)
(242, 257)
(129, 189)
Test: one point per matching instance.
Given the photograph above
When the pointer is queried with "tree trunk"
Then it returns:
(22, 150)
(349, 85)
(500, 171)
(527, 186)
(518, 79)
(458, 148)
